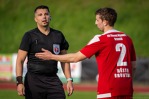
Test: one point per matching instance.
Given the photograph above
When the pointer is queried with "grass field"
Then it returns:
(12, 94)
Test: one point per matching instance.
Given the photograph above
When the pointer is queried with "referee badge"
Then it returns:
(56, 48)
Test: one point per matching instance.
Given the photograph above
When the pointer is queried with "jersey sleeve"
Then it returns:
(25, 43)
(90, 50)
(132, 50)
(133, 54)
(92, 47)
(64, 44)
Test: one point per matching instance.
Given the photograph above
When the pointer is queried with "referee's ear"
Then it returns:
(50, 17)
(35, 19)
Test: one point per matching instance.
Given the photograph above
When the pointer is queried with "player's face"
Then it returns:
(99, 23)
(42, 17)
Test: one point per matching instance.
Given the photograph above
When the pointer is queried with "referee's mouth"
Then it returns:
(45, 21)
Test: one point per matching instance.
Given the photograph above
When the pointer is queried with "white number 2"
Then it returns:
(120, 47)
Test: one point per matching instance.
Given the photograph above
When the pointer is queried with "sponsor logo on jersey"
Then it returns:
(56, 48)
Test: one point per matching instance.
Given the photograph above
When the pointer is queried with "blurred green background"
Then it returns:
(76, 19)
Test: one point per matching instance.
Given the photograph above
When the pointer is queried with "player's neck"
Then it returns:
(108, 28)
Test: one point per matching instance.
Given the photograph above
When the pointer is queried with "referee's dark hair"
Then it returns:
(42, 7)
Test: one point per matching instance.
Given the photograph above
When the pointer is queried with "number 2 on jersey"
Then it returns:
(120, 47)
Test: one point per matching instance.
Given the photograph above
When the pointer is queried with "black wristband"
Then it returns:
(19, 80)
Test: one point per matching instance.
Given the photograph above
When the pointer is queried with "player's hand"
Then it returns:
(21, 90)
(45, 54)
(70, 88)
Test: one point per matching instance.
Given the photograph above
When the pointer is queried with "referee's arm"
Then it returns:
(19, 71)
(67, 72)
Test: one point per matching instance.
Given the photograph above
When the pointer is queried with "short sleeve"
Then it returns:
(133, 53)
(90, 50)
(92, 47)
(64, 44)
(25, 43)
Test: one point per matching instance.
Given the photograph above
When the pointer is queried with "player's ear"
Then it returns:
(105, 22)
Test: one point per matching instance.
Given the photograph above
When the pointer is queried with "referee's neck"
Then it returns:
(44, 30)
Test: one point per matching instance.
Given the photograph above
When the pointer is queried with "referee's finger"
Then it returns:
(70, 91)
(20, 94)
(23, 92)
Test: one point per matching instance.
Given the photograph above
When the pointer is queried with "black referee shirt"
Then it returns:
(34, 40)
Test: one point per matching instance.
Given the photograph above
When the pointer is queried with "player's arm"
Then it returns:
(71, 57)
(67, 72)
(133, 63)
(19, 71)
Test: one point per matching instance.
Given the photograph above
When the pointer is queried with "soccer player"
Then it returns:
(115, 56)
(41, 80)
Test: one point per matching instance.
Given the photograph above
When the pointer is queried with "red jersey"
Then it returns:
(114, 52)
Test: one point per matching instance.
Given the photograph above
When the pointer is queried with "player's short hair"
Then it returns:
(42, 7)
(107, 14)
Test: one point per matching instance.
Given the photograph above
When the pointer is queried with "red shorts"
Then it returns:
(118, 97)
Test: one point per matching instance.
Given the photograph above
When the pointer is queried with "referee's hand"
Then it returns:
(20, 89)
(70, 88)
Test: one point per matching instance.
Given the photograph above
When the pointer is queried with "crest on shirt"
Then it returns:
(56, 48)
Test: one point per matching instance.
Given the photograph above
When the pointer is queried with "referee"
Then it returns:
(41, 80)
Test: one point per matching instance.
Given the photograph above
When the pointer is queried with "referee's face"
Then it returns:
(42, 17)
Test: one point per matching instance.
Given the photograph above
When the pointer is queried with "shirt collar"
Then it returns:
(109, 31)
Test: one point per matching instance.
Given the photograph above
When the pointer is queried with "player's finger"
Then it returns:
(44, 50)
(39, 55)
